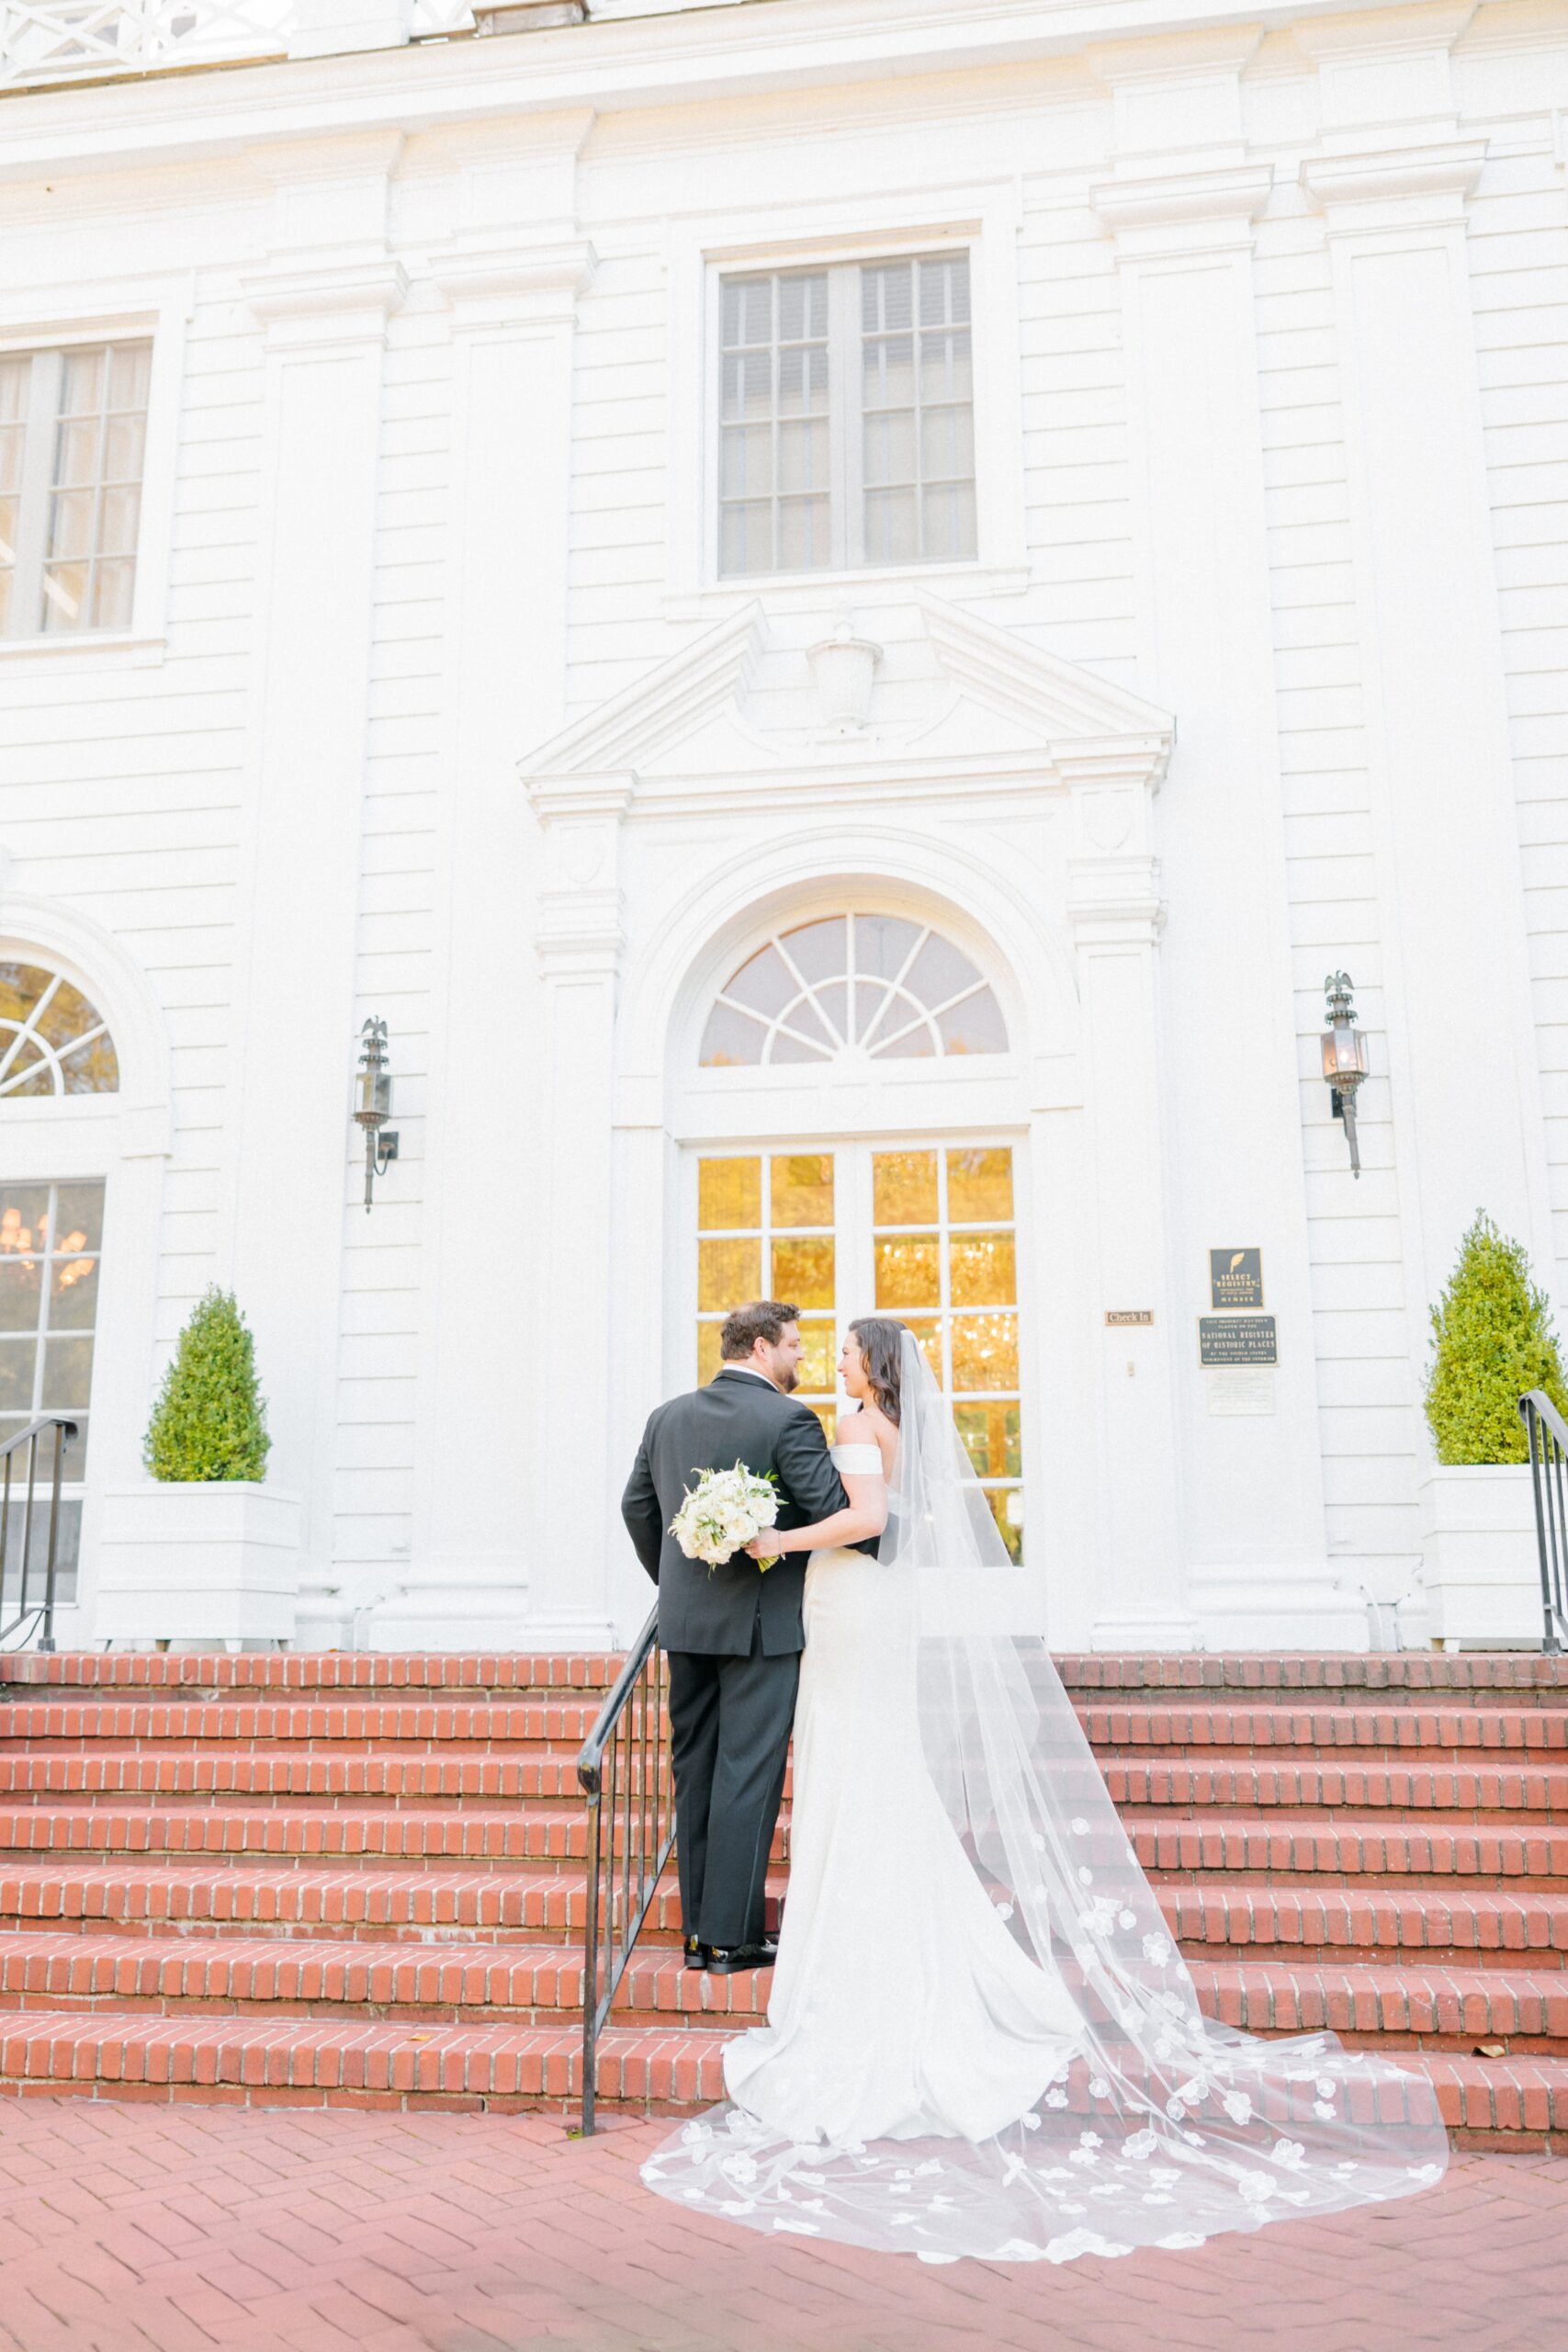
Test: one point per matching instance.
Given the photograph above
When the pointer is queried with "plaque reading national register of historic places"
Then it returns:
(1236, 1340)
(1236, 1278)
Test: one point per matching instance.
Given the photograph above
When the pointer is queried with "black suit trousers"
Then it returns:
(730, 1725)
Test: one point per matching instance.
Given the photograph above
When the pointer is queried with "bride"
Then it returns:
(981, 2038)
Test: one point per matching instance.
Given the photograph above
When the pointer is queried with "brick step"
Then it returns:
(252, 1899)
(195, 1672)
(126, 1775)
(1463, 1927)
(1514, 1791)
(451, 1982)
(1509, 2104)
(519, 1833)
(479, 1722)
(1342, 1845)
(1513, 2104)
(1466, 1926)
(1390, 2008)
(1525, 1675)
(479, 1983)
(1518, 1678)
(1387, 1735)
(347, 1724)
(281, 2061)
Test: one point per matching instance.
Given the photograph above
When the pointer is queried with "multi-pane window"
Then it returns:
(51, 1236)
(945, 1255)
(50, 1241)
(73, 430)
(853, 984)
(925, 1233)
(52, 1039)
(765, 1229)
(846, 416)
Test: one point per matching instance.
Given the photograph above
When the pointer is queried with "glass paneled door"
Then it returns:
(923, 1232)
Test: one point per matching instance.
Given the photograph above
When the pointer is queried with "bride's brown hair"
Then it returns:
(878, 1338)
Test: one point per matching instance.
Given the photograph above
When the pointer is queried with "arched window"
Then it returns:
(851, 986)
(52, 1041)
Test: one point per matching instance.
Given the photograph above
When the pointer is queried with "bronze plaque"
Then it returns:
(1235, 1279)
(1129, 1315)
(1236, 1339)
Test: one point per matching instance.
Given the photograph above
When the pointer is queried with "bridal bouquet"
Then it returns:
(722, 1512)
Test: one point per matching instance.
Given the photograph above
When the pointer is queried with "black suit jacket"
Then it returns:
(737, 1417)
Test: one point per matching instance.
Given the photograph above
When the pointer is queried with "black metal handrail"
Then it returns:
(1548, 1434)
(31, 1437)
(631, 1830)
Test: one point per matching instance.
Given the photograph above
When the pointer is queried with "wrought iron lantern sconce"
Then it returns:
(373, 1105)
(1343, 1058)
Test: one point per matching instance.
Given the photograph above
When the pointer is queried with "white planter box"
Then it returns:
(1482, 1569)
(194, 1563)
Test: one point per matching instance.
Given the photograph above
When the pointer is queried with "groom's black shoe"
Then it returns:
(697, 1954)
(730, 1961)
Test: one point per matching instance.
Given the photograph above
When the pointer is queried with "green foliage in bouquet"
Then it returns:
(209, 1423)
(1493, 1341)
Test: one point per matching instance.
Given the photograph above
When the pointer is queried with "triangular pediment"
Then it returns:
(933, 687)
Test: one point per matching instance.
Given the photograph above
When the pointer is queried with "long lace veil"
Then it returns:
(1166, 2127)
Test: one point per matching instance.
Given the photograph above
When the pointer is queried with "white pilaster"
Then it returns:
(580, 940)
(324, 297)
(1116, 913)
(1253, 1535)
(1462, 1063)
(477, 1569)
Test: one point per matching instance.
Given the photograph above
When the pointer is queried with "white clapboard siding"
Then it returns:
(1361, 1328)
(1521, 293)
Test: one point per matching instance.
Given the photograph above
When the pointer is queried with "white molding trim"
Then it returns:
(1363, 194)
(1079, 727)
(499, 278)
(337, 302)
(662, 707)
(1205, 209)
(51, 929)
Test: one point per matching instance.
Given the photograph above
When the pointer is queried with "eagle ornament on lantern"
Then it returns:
(373, 1105)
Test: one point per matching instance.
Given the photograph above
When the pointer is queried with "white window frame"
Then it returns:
(150, 312)
(983, 221)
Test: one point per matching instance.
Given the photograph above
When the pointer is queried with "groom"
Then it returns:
(734, 1636)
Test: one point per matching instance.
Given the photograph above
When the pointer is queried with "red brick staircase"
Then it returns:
(357, 1880)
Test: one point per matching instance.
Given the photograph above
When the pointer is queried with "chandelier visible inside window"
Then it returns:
(52, 1041)
(851, 986)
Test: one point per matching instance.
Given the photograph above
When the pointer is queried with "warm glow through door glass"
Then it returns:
(771, 1212)
(923, 1232)
(945, 1259)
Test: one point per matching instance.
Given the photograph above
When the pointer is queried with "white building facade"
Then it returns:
(836, 611)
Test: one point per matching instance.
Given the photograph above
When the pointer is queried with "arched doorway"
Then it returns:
(852, 1136)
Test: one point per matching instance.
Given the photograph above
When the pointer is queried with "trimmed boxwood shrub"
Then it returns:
(209, 1423)
(1494, 1338)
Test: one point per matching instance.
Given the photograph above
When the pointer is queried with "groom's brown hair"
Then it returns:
(744, 1325)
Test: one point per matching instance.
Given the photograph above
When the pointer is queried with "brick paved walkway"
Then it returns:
(123, 2228)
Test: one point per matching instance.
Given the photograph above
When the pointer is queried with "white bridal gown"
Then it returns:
(901, 2007)
(981, 2037)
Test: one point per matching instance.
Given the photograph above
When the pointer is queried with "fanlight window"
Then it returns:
(853, 985)
(51, 1040)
